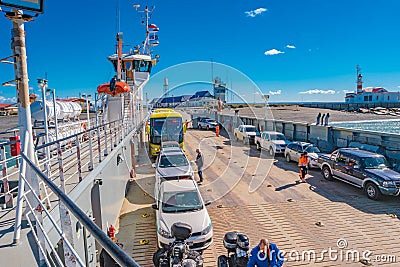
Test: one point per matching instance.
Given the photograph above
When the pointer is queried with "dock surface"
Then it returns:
(262, 197)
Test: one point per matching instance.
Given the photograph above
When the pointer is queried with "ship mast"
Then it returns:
(146, 17)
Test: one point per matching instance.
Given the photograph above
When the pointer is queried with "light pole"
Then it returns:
(90, 165)
(86, 97)
(42, 83)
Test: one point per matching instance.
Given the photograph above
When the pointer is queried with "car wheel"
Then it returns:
(208, 128)
(237, 139)
(326, 172)
(258, 146)
(199, 126)
(288, 159)
(372, 191)
(271, 151)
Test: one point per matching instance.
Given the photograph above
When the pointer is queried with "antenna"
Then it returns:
(117, 16)
(146, 17)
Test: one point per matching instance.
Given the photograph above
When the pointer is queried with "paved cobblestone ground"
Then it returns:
(280, 209)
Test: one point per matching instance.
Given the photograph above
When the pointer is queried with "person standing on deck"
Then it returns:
(318, 118)
(326, 119)
(199, 162)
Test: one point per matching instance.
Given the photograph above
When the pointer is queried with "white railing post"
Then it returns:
(65, 217)
(78, 156)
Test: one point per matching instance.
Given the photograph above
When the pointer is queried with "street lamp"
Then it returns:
(86, 97)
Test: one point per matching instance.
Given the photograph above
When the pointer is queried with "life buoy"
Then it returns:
(120, 87)
(84, 126)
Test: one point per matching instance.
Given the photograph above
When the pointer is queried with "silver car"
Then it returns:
(294, 150)
(172, 165)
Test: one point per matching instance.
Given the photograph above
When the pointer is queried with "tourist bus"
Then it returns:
(165, 124)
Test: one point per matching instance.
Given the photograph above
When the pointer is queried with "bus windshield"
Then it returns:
(166, 129)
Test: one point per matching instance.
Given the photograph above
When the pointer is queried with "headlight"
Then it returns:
(388, 184)
(207, 229)
(163, 232)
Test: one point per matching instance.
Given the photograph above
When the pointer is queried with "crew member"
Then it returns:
(199, 162)
(265, 254)
(303, 164)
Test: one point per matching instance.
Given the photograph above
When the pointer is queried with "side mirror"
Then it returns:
(154, 206)
(148, 129)
(154, 165)
(208, 202)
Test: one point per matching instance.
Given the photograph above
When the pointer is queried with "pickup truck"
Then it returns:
(363, 169)
(246, 133)
(274, 142)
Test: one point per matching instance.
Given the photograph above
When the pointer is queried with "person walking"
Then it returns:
(199, 162)
(326, 119)
(318, 118)
(265, 254)
(322, 119)
(303, 164)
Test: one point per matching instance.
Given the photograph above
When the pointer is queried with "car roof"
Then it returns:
(359, 152)
(271, 132)
(172, 152)
(302, 143)
(179, 185)
(165, 143)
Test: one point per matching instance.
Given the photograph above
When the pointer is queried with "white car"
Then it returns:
(180, 201)
(274, 142)
(171, 165)
(294, 150)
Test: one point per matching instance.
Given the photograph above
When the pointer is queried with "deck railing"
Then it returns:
(62, 164)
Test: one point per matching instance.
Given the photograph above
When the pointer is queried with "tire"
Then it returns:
(288, 159)
(372, 191)
(326, 172)
(258, 146)
(271, 151)
(222, 261)
(237, 139)
(199, 126)
(208, 127)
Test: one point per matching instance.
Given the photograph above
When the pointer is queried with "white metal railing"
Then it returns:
(104, 137)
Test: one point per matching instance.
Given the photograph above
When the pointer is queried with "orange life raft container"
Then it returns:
(120, 87)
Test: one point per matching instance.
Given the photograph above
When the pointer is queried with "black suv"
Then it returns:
(363, 169)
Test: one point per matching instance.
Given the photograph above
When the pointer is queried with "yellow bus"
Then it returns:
(165, 125)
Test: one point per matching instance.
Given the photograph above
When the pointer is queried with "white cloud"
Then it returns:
(273, 52)
(8, 99)
(277, 92)
(290, 46)
(348, 91)
(255, 12)
(317, 91)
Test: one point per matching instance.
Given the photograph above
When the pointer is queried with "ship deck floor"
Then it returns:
(262, 197)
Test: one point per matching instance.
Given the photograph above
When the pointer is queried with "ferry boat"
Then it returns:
(62, 197)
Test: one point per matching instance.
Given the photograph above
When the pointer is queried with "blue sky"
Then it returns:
(295, 50)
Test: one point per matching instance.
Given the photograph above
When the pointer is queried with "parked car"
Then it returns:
(294, 150)
(274, 142)
(246, 133)
(170, 146)
(195, 121)
(171, 165)
(207, 123)
(362, 169)
(181, 201)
